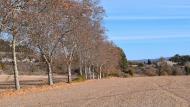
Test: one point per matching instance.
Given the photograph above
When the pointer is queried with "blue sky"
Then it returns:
(149, 28)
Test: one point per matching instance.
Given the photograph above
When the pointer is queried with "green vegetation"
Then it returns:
(118, 74)
(187, 68)
(125, 70)
(149, 62)
(79, 79)
(181, 60)
(114, 74)
(123, 61)
(177, 65)
(131, 71)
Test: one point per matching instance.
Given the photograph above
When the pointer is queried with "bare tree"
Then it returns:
(46, 30)
(73, 43)
(61, 28)
(12, 22)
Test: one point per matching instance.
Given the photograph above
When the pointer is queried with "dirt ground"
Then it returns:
(6, 81)
(113, 92)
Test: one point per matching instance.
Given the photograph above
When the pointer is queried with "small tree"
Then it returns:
(45, 30)
(123, 60)
(164, 68)
(187, 68)
(149, 62)
(13, 23)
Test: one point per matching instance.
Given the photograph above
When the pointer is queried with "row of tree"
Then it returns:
(180, 59)
(66, 30)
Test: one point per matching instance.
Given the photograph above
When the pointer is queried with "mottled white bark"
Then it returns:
(100, 72)
(90, 72)
(81, 70)
(50, 74)
(80, 66)
(15, 68)
(85, 70)
(93, 75)
(69, 73)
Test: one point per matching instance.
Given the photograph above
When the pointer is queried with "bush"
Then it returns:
(164, 69)
(150, 71)
(79, 79)
(123, 75)
(177, 70)
(187, 70)
(140, 65)
(2, 66)
(131, 71)
(114, 74)
(118, 74)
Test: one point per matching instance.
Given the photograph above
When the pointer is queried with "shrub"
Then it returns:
(131, 71)
(79, 79)
(2, 66)
(177, 70)
(187, 68)
(140, 65)
(123, 75)
(150, 71)
(164, 69)
(118, 74)
(114, 74)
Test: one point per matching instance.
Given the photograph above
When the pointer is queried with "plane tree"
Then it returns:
(12, 22)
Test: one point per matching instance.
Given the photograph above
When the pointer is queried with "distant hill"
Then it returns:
(180, 59)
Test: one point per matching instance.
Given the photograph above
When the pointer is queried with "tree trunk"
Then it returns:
(100, 75)
(50, 75)
(16, 78)
(80, 66)
(100, 72)
(85, 70)
(49, 68)
(90, 72)
(159, 71)
(69, 73)
(93, 71)
(81, 70)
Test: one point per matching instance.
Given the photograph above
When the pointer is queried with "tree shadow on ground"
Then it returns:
(28, 83)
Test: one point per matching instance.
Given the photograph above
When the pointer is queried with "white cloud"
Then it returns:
(148, 37)
(146, 17)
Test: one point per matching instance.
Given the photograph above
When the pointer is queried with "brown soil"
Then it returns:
(113, 92)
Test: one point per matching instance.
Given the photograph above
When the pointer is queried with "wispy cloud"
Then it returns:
(147, 18)
(148, 37)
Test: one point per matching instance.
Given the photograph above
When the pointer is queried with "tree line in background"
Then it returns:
(66, 31)
(176, 65)
(182, 60)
